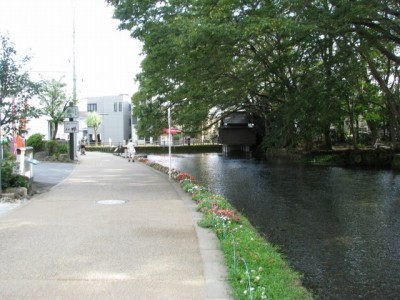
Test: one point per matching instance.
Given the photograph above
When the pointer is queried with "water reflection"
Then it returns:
(338, 227)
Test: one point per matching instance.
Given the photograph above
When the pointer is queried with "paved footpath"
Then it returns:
(76, 242)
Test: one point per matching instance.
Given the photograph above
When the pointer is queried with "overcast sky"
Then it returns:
(107, 59)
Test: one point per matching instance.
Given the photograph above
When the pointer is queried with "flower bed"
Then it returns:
(256, 268)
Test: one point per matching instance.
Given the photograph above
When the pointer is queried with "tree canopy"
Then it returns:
(53, 98)
(93, 120)
(303, 67)
(16, 90)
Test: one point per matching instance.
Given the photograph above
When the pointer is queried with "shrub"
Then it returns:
(9, 178)
(51, 148)
(62, 148)
(36, 142)
(6, 172)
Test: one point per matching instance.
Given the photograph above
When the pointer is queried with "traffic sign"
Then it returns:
(71, 126)
(71, 112)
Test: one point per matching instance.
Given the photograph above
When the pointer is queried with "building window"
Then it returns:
(115, 106)
(120, 106)
(92, 107)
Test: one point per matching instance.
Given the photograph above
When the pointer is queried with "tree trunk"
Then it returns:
(341, 136)
(393, 130)
(327, 138)
(389, 98)
(308, 144)
(374, 131)
(54, 131)
(95, 138)
(351, 125)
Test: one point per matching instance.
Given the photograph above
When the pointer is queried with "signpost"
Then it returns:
(71, 112)
(71, 126)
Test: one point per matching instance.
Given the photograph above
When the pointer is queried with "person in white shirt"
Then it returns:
(131, 151)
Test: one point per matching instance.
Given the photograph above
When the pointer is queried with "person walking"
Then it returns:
(83, 146)
(131, 151)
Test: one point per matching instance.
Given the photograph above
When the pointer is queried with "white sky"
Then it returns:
(107, 60)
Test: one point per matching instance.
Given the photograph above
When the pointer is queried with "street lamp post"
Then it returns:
(1, 148)
(169, 142)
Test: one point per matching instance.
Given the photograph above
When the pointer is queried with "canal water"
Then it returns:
(339, 227)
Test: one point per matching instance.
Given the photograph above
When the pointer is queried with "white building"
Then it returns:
(116, 113)
(116, 127)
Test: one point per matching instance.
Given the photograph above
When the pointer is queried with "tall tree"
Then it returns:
(296, 64)
(54, 101)
(16, 90)
(152, 120)
(371, 29)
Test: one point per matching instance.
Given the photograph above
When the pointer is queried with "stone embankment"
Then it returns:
(14, 195)
(43, 156)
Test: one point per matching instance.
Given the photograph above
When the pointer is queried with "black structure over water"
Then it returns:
(237, 133)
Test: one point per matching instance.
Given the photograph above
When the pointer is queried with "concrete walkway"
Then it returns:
(110, 230)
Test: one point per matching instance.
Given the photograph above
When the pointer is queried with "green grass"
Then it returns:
(322, 159)
(257, 269)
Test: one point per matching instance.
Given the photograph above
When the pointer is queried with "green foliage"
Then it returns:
(16, 90)
(36, 141)
(323, 159)
(54, 101)
(302, 67)
(9, 178)
(54, 148)
(51, 147)
(93, 120)
(151, 119)
(62, 148)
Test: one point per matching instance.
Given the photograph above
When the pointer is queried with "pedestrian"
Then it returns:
(131, 151)
(83, 146)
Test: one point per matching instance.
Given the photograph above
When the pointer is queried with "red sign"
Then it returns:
(173, 131)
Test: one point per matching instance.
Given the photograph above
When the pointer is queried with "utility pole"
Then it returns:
(74, 98)
(1, 145)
